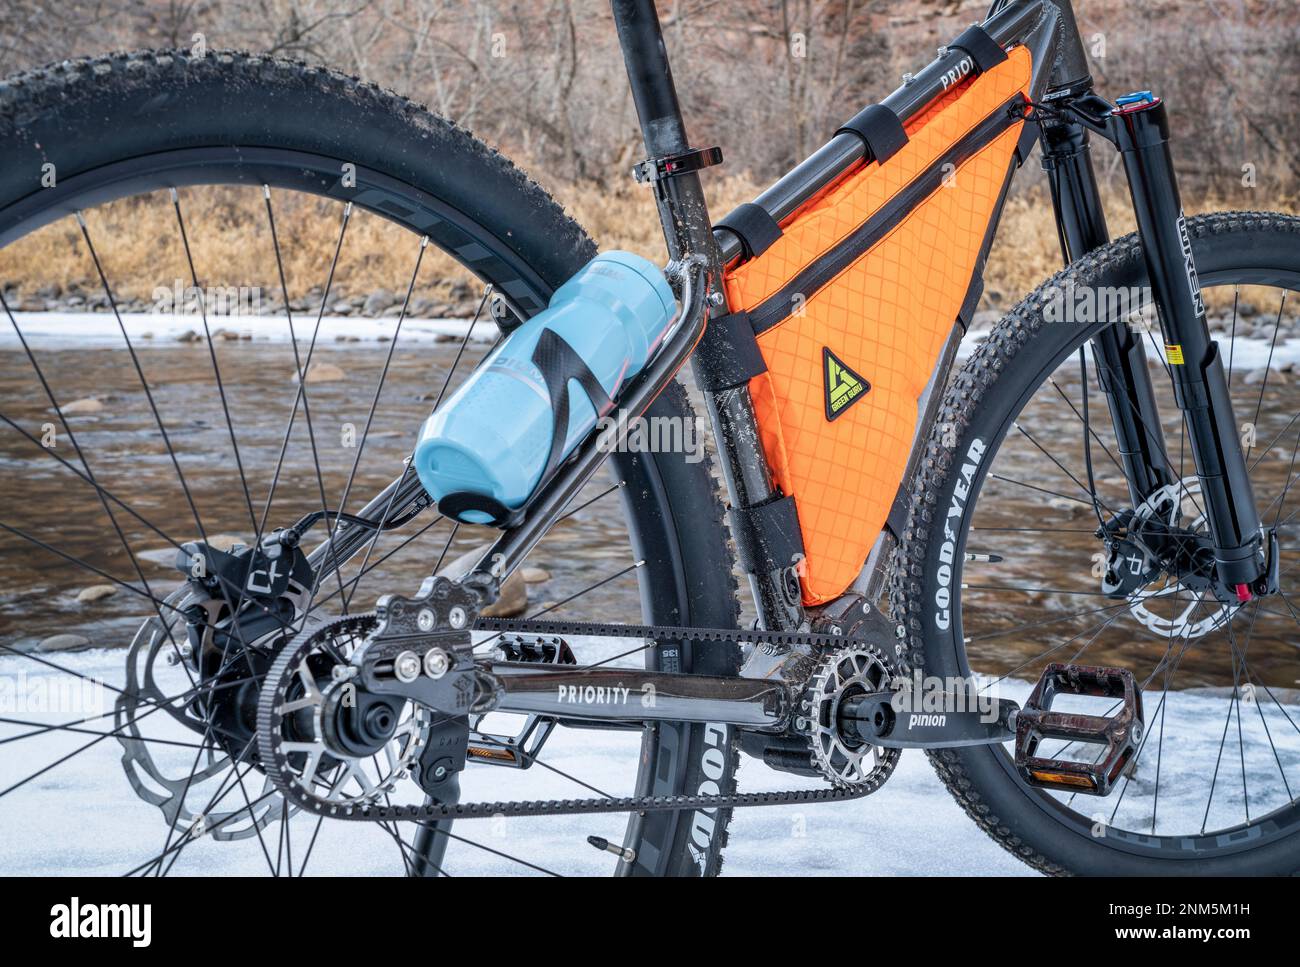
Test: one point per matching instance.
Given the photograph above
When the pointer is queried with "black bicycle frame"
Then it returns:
(1067, 112)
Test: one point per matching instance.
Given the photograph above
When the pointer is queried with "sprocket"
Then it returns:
(837, 753)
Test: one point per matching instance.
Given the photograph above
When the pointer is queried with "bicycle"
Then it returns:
(283, 708)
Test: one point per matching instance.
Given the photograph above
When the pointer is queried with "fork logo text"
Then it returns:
(116, 921)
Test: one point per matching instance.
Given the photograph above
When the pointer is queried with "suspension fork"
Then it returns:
(1119, 352)
(1140, 127)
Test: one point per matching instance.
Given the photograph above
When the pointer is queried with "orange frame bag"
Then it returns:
(852, 305)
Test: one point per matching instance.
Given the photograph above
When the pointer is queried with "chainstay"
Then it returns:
(434, 812)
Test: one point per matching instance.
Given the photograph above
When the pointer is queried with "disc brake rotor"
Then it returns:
(155, 677)
(1167, 506)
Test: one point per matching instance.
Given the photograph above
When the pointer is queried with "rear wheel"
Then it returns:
(1002, 568)
(219, 433)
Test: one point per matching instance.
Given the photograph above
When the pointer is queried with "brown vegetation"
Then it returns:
(767, 79)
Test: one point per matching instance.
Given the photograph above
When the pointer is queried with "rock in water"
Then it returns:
(224, 542)
(535, 575)
(377, 302)
(64, 643)
(322, 372)
(82, 407)
(513, 601)
(96, 592)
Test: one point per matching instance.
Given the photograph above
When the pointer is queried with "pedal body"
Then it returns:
(1119, 735)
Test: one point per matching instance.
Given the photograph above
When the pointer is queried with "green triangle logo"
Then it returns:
(844, 387)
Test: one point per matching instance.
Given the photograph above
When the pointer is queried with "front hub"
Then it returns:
(1160, 557)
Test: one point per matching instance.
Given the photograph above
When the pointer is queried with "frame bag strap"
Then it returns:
(767, 536)
(985, 52)
(880, 130)
(730, 357)
(755, 228)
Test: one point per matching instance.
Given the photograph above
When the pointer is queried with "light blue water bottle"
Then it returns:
(537, 396)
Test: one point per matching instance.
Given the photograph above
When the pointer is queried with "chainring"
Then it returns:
(843, 674)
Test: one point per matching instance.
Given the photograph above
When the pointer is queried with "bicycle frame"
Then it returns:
(1067, 112)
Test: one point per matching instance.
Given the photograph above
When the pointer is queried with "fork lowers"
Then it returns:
(1140, 126)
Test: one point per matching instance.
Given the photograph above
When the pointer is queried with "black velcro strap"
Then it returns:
(899, 512)
(880, 130)
(729, 355)
(973, 292)
(1028, 138)
(755, 228)
(986, 52)
(767, 536)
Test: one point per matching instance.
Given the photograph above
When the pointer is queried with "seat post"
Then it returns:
(682, 210)
(653, 90)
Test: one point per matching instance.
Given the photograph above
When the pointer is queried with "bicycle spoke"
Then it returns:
(1087, 424)
(1048, 621)
(1263, 721)
(370, 416)
(1268, 366)
(1041, 490)
(212, 355)
(1232, 346)
(571, 598)
(85, 463)
(1095, 499)
(1032, 590)
(477, 845)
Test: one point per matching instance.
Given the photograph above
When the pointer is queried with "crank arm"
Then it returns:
(604, 694)
(880, 719)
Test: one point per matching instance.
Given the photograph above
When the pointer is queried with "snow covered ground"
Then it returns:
(1247, 353)
(51, 330)
(83, 817)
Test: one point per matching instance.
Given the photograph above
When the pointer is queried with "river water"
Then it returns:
(1037, 524)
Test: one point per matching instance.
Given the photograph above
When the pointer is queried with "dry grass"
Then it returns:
(139, 243)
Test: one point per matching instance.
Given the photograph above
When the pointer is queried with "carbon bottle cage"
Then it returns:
(527, 525)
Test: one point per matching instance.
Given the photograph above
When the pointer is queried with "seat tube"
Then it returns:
(689, 231)
(1141, 128)
(1119, 352)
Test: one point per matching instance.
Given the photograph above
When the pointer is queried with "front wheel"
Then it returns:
(1001, 570)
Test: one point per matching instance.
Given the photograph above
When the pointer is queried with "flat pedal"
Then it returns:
(520, 750)
(1116, 735)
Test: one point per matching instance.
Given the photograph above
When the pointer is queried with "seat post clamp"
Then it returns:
(657, 169)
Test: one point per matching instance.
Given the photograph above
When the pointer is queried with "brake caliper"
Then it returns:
(247, 604)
